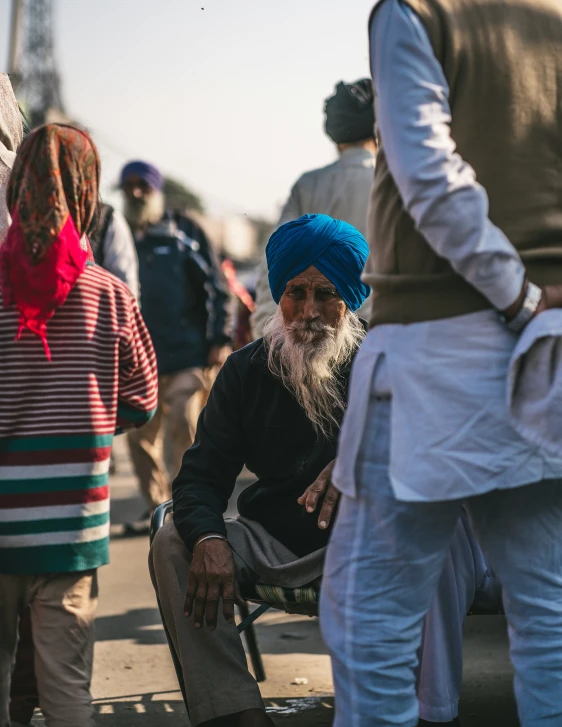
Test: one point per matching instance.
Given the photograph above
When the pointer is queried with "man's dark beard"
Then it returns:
(309, 367)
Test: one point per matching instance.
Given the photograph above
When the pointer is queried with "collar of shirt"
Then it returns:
(357, 156)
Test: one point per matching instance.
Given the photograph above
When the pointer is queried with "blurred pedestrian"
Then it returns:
(342, 189)
(465, 251)
(244, 306)
(11, 134)
(76, 363)
(185, 303)
(114, 248)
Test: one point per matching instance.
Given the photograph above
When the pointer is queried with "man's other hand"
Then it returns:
(218, 355)
(551, 298)
(212, 577)
(321, 486)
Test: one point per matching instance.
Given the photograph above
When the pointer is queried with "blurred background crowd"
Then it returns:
(193, 259)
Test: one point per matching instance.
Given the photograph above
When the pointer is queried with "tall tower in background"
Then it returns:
(32, 63)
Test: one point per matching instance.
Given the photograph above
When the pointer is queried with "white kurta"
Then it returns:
(451, 433)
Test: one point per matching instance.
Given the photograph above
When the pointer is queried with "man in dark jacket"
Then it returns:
(275, 407)
(184, 302)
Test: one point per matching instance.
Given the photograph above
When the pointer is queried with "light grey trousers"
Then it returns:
(212, 658)
(216, 677)
(63, 608)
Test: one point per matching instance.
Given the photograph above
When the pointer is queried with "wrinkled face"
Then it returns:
(135, 188)
(309, 304)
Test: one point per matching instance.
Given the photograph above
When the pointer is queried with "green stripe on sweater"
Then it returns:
(40, 444)
(67, 558)
(135, 416)
(58, 525)
(52, 484)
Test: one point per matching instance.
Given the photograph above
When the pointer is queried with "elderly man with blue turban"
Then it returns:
(340, 189)
(276, 408)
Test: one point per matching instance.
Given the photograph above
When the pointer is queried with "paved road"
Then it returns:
(134, 682)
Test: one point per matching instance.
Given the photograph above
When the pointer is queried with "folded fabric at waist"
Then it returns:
(534, 385)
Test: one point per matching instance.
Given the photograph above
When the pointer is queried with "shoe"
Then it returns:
(454, 723)
(139, 527)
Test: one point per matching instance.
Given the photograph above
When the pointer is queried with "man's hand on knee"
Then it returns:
(212, 578)
(321, 487)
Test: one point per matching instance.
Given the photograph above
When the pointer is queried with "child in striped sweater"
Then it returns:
(76, 364)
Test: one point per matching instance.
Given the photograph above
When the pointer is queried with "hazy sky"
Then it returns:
(228, 98)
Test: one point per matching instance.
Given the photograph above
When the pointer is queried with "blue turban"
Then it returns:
(147, 172)
(336, 248)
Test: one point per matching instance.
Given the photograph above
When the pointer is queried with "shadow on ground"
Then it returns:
(287, 637)
(168, 710)
(487, 698)
(140, 625)
(143, 626)
(144, 710)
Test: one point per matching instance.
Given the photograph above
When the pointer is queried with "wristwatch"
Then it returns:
(527, 310)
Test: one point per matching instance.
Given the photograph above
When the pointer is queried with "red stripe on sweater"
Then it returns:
(62, 497)
(54, 456)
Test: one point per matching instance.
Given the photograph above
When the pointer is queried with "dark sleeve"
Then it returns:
(219, 322)
(209, 469)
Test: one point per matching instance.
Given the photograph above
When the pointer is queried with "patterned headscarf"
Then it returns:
(52, 196)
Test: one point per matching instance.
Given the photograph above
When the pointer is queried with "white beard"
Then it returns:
(146, 211)
(309, 367)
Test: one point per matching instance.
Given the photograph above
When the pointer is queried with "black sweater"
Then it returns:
(252, 419)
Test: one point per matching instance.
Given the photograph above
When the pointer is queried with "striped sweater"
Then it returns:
(58, 419)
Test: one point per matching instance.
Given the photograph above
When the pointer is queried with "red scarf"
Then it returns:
(38, 290)
(53, 188)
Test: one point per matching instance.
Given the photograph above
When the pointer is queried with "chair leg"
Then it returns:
(175, 658)
(253, 648)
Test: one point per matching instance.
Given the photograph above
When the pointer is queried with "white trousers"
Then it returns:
(383, 568)
(358, 614)
(464, 580)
